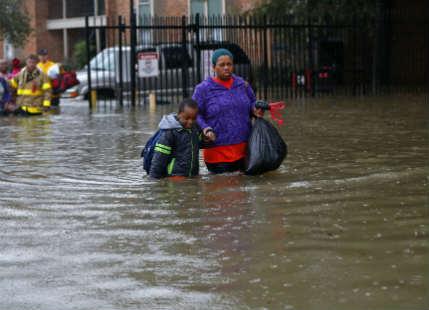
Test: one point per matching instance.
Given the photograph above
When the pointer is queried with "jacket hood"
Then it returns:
(212, 85)
(170, 121)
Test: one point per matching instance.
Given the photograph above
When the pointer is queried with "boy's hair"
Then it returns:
(188, 102)
(33, 57)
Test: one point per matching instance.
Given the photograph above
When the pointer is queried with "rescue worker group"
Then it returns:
(28, 90)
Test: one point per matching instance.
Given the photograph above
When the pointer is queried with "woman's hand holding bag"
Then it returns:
(266, 149)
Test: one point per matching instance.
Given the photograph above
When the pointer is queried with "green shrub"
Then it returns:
(80, 58)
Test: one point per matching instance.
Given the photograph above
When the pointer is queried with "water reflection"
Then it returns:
(226, 221)
(341, 224)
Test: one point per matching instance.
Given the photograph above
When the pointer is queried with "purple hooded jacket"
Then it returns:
(225, 110)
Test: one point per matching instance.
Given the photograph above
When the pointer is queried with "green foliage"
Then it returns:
(69, 65)
(80, 58)
(14, 21)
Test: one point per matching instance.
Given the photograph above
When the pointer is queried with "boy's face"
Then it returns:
(188, 117)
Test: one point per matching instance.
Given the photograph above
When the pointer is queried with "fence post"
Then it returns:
(184, 64)
(310, 69)
(88, 66)
(427, 55)
(355, 54)
(265, 59)
(121, 71)
(133, 56)
(197, 37)
(383, 36)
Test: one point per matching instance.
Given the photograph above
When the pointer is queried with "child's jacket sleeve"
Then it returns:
(162, 155)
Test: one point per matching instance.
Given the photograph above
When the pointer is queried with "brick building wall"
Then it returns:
(173, 8)
(115, 8)
(41, 37)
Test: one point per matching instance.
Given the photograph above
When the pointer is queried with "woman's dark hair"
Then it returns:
(188, 102)
(221, 52)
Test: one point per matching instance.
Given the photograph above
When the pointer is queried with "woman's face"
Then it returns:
(224, 68)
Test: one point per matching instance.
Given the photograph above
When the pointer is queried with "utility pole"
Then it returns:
(65, 33)
(97, 31)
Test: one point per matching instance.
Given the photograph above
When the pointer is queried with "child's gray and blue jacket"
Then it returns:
(176, 152)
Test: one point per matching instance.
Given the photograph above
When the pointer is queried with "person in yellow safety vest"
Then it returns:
(44, 65)
(32, 88)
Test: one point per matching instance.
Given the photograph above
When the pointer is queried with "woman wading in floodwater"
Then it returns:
(226, 104)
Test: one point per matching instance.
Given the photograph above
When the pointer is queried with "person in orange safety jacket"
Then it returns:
(44, 65)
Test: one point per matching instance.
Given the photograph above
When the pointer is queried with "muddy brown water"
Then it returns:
(342, 224)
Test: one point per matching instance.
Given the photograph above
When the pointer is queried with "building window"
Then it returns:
(8, 50)
(101, 7)
(144, 19)
(144, 10)
(55, 9)
(207, 9)
(198, 7)
(215, 7)
(81, 8)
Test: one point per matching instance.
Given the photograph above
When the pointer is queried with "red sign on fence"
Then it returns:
(148, 64)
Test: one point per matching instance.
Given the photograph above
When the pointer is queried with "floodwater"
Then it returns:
(342, 224)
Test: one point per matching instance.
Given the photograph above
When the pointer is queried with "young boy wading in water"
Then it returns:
(177, 149)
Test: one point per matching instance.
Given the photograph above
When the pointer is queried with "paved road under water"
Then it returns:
(343, 223)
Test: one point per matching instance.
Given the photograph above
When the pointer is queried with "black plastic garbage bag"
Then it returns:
(265, 149)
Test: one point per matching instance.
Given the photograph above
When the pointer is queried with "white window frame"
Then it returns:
(146, 35)
(215, 34)
(151, 8)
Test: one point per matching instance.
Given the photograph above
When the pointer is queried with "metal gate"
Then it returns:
(280, 58)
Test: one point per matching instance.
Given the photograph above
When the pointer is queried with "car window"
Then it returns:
(175, 57)
(240, 56)
(104, 61)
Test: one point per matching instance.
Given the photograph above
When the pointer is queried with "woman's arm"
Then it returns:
(253, 111)
(200, 98)
(251, 95)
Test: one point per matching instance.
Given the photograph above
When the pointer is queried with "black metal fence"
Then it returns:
(280, 57)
